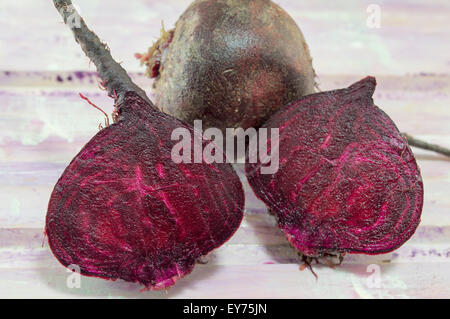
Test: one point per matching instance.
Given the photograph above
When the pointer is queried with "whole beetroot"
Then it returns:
(347, 180)
(230, 63)
(122, 208)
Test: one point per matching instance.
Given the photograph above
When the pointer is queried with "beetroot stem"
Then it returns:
(112, 74)
(412, 141)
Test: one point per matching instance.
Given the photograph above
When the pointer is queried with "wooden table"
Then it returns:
(44, 124)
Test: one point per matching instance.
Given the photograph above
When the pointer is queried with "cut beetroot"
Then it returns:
(230, 63)
(122, 208)
(347, 181)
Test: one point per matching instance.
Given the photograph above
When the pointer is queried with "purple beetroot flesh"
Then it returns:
(230, 63)
(347, 181)
(123, 209)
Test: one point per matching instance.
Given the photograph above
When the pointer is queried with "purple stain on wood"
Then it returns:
(79, 75)
(35, 125)
(26, 174)
(66, 94)
(434, 252)
(432, 232)
(51, 145)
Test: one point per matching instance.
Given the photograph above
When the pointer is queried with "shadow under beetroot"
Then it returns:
(57, 279)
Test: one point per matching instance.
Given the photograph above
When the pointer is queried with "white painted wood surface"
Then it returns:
(44, 123)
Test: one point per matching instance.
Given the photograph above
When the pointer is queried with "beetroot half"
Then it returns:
(347, 181)
(122, 208)
(230, 63)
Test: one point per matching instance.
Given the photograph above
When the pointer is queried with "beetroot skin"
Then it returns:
(347, 182)
(230, 63)
(122, 208)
